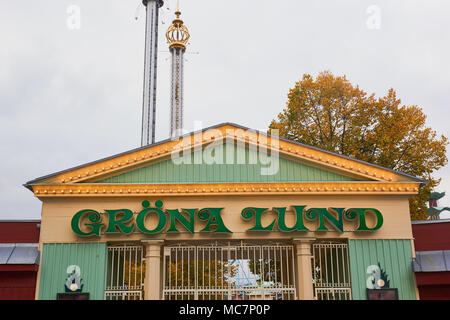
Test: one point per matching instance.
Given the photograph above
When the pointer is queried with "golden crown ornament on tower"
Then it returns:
(178, 37)
(177, 34)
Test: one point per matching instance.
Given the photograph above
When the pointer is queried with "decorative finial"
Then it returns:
(178, 34)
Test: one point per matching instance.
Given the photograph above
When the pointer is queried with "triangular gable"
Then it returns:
(302, 157)
(233, 164)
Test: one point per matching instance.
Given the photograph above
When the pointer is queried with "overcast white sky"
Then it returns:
(70, 96)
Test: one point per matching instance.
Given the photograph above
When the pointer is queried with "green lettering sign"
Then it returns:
(118, 225)
(352, 213)
(140, 219)
(95, 226)
(214, 218)
(323, 214)
(299, 226)
(121, 220)
(176, 215)
(249, 213)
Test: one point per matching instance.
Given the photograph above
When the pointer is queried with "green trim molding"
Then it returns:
(394, 258)
(90, 258)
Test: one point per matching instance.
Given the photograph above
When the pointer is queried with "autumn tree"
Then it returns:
(330, 113)
(202, 273)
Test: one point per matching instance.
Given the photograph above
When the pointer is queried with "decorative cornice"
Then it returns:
(92, 190)
(154, 153)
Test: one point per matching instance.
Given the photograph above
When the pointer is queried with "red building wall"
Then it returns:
(18, 282)
(19, 231)
(432, 237)
(17, 285)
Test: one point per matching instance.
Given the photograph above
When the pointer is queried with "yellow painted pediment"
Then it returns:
(315, 165)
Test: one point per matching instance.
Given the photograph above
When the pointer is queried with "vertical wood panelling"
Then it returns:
(394, 257)
(168, 172)
(90, 257)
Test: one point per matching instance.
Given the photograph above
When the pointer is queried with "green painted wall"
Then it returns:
(90, 257)
(168, 172)
(395, 259)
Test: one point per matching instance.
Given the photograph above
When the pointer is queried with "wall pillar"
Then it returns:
(304, 270)
(152, 283)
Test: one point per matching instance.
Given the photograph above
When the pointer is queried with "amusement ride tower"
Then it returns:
(150, 71)
(177, 36)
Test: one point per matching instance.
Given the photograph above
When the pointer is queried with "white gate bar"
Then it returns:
(207, 258)
(333, 271)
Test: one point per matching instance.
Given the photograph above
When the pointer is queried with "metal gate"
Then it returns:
(125, 273)
(233, 272)
(331, 271)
